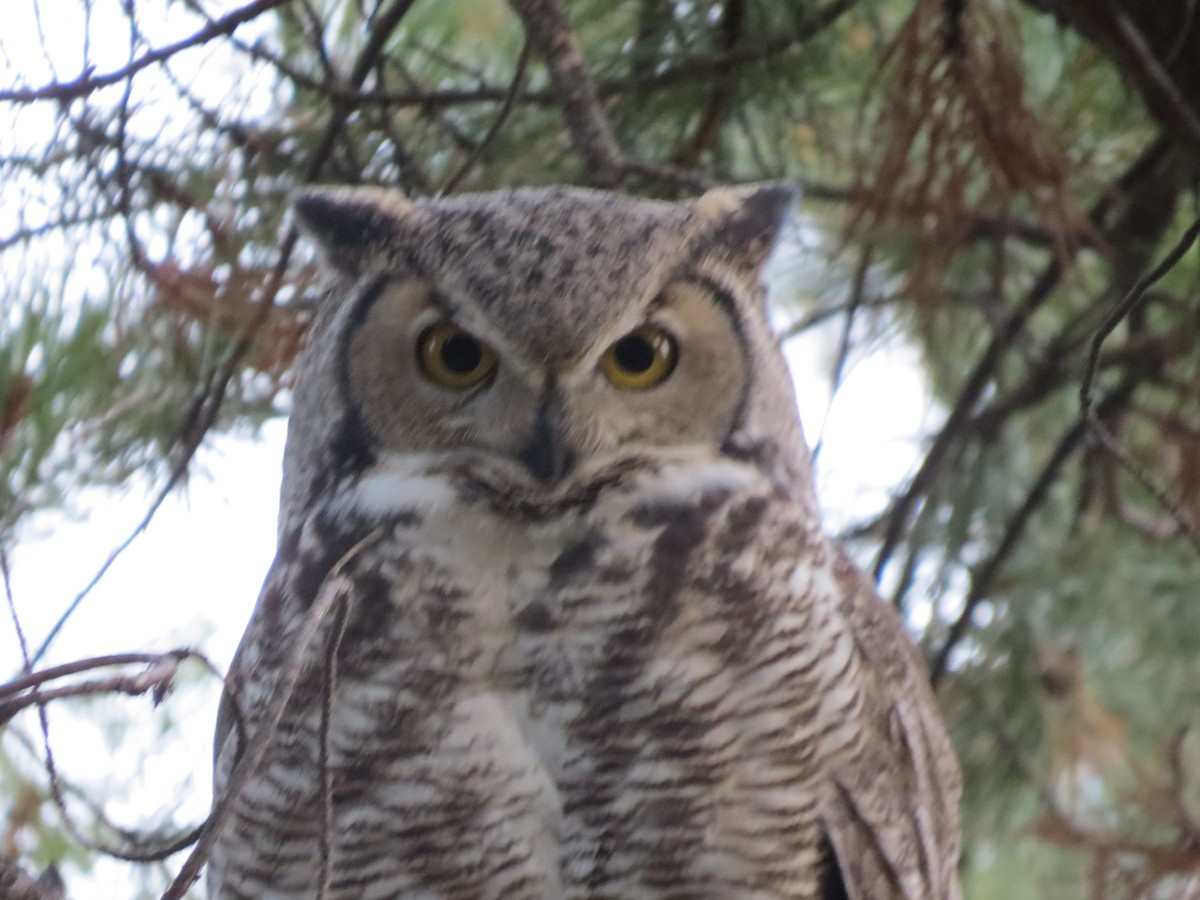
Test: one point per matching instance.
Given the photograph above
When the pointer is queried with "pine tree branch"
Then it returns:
(721, 95)
(984, 575)
(549, 32)
(1139, 175)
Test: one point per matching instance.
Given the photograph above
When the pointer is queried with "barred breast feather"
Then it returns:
(668, 691)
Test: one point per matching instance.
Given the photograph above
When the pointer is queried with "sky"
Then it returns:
(192, 578)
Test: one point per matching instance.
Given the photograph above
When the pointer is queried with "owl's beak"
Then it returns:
(546, 454)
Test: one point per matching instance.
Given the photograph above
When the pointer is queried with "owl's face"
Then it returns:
(431, 375)
(542, 340)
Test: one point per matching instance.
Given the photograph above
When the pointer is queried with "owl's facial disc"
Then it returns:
(451, 382)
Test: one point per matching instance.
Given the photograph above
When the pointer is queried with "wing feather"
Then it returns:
(891, 812)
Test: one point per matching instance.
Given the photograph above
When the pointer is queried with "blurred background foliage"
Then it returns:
(990, 179)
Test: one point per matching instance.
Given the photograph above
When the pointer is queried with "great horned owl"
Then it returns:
(552, 599)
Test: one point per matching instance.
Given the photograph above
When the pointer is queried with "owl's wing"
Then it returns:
(891, 814)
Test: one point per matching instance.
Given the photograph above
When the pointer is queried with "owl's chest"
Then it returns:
(529, 606)
(618, 696)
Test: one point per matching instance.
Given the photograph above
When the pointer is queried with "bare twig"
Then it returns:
(687, 179)
(506, 107)
(75, 667)
(1127, 305)
(1099, 430)
(176, 475)
(87, 83)
(823, 314)
(858, 288)
(1183, 519)
(27, 690)
(62, 224)
(12, 611)
(328, 689)
(157, 676)
(964, 405)
(334, 589)
(684, 71)
(208, 402)
(380, 33)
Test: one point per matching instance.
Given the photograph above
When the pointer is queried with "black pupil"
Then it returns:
(461, 354)
(634, 354)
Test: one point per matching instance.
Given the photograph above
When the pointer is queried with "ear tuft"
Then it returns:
(747, 220)
(354, 226)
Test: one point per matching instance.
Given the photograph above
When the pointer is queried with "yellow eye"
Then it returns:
(453, 359)
(642, 359)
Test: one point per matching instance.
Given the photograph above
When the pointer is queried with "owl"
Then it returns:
(552, 613)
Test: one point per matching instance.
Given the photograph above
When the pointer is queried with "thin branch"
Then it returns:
(730, 27)
(684, 71)
(858, 289)
(1154, 73)
(1128, 304)
(1055, 368)
(159, 670)
(1162, 495)
(334, 588)
(984, 575)
(328, 690)
(964, 405)
(823, 314)
(177, 474)
(63, 224)
(27, 690)
(86, 84)
(75, 667)
(208, 402)
(549, 31)
(692, 180)
(123, 171)
(1099, 430)
(380, 33)
(157, 678)
(498, 123)
(12, 611)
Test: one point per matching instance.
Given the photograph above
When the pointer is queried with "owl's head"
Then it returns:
(537, 341)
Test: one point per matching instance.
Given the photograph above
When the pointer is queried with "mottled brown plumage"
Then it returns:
(559, 630)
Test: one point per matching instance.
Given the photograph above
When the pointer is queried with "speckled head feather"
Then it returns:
(545, 263)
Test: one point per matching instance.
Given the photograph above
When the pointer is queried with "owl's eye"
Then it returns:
(642, 359)
(452, 358)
